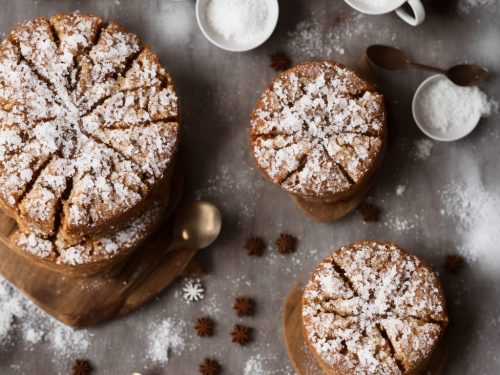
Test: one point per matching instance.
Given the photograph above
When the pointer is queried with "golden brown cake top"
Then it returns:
(88, 122)
(371, 308)
(317, 129)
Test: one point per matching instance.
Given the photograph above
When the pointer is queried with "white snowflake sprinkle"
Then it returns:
(193, 290)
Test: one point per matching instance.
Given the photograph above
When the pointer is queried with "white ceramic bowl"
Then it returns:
(228, 45)
(373, 9)
(452, 134)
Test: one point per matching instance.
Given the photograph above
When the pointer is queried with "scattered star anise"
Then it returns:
(370, 212)
(255, 246)
(209, 367)
(241, 334)
(243, 306)
(286, 243)
(280, 61)
(454, 263)
(204, 327)
(81, 367)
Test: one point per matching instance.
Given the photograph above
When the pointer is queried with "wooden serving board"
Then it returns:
(329, 212)
(82, 302)
(300, 355)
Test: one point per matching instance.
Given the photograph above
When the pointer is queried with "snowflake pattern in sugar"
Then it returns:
(193, 290)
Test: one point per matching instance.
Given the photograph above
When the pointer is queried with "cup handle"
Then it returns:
(418, 10)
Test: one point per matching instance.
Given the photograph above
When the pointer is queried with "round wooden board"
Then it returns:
(329, 212)
(82, 302)
(300, 355)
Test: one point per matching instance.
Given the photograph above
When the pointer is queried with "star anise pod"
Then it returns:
(243, 306)
(286, 243)
(280, 61)
(454, 263)
(370, 212)
(81, 367)
(241, 334)
(204, 327)
(255, 246)
(209, 367)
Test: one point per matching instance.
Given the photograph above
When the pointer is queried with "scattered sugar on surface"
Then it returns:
(477, 214)
(20, 318)
(165, 338)
(235, 182)
(312, 39)
(175, 19)
(259, 365)
(466, 6)
(423, 148)
(401, 223)
(67, 341)
(254, 366)
(212, 305)
(400, 190)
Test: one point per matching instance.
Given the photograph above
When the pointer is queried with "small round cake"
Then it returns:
(89, 128)
(319, 132)
(371, 308)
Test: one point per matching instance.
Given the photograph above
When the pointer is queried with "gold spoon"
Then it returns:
(394, 59)
(196, 226)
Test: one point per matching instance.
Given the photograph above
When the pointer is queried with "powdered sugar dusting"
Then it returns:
(254, 366)
(312, 39)
(423, 148)
(18, 317)
(466, 6)
(476, 211)
(165, 338)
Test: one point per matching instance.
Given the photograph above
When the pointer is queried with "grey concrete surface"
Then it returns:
(217, 90)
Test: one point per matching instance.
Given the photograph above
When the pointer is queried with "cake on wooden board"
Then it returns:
(371, 308)
(319, 132)
(89, 129)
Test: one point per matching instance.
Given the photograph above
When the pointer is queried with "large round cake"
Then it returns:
(318, 131)
(88, 129)
(371, 308)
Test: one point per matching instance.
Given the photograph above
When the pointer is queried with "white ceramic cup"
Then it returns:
(371, 7)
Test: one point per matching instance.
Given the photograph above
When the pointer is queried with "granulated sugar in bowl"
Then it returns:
(447, 112)
(237, 25)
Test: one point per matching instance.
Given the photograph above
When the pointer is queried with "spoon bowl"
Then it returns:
(467, 75)
(393, 59)
(197, 225)
(387, 57)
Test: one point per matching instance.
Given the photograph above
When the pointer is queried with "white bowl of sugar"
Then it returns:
(447, 112)
(237, 25)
